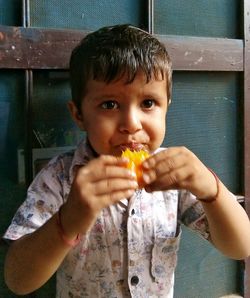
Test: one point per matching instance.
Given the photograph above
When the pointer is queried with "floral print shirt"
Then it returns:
(131, 251)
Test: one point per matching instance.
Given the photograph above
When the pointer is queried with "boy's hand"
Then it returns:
(179, 168)
(101, 183)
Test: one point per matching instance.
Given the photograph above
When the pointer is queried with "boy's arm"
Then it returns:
(179, 168)
(34, 258)
(228, 224)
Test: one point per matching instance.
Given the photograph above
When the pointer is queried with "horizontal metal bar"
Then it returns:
(42, 48)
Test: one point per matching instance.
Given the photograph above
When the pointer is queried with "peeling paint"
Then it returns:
(198, 61)
(223, 98)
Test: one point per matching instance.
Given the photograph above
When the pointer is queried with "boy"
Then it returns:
(85, 216)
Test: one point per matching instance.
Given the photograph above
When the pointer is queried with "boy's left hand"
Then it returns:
(178, 168)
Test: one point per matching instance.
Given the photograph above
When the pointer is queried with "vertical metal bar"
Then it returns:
(247, 129)
(151, 16)
(28, 113)
(23, 12)
(28, 105)
(28, 126)
(26, 13)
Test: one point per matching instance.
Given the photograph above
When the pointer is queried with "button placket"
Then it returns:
(133, 225)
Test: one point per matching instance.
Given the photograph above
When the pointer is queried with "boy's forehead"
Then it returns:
(126, 80)
(155, 86)
(139, 80)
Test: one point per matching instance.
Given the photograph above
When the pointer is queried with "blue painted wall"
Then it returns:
(205, 116)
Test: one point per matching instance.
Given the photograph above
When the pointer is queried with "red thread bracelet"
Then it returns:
(71, 243)
(218, 189)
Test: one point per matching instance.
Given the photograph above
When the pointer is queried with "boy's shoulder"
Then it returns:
(62, 158)
(67, 160)
(71, 154)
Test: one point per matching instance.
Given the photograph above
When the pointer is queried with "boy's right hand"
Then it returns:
(102, 182)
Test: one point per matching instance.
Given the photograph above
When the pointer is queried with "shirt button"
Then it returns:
(134, 280)
(133, 211)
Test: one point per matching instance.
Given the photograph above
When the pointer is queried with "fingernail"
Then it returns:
(124, 159)
(135, 184)
(132, 173)
(145, 165)
(130, 192)
(146, 178)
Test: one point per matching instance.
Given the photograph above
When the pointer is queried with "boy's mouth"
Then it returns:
(133, 146)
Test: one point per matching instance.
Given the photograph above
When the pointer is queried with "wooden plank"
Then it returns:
(39, 48)
(247, 129)
(35, 48)
(204, 54)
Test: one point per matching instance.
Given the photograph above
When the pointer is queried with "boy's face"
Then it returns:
(117, 115)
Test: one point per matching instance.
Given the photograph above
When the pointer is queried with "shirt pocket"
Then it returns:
(164, 259)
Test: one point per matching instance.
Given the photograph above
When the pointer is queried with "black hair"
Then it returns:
(113, 52)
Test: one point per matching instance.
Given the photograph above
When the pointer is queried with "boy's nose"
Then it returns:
(130, 122)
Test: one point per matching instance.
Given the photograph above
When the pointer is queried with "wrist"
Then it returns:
(212, 198)
(70, 240)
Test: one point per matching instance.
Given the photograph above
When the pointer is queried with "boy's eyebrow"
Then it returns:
(149, 93)
(152, 94)
(146, 93)
(104, 95)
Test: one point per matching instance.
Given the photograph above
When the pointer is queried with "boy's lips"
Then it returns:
(132, 146)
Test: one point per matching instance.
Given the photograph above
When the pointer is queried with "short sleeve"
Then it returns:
(44, 197)
(192, 215)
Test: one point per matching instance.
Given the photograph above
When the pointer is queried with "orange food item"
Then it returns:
(135, 160)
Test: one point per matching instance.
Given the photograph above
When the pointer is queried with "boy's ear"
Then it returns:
(76, 114)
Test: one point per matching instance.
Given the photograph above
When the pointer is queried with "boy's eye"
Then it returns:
(148, 103)
(109, 105)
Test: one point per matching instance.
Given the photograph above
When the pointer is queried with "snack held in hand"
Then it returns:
(135, 160)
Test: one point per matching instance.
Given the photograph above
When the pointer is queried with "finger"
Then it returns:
(116, 196)
(177, 179)
(162, 169)
(168, 156)
(112, 160)
(113, 185)
(101, 161)
(109, 172)
(97, 172)
(167, 161)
